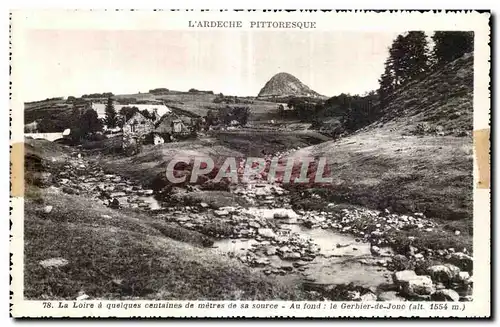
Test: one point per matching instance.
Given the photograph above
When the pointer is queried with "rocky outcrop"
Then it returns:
(284, 85)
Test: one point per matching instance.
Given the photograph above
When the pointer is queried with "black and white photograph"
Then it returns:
(244, 159)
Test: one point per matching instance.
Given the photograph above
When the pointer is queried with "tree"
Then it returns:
(159, 90)
(386, 83)
(449, 46)
(408, 59)
(210, 118)
(281, 111)
(360, 112)
(111, 119)
(397, 58)
(241, 114)
(225, 115)
(128, 112)
(147, 114)
(417, 59)
(89, 122)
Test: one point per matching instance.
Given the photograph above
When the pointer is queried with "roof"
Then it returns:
(135, 117)
(164, 125)
(100, 108)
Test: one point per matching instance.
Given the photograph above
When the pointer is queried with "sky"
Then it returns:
(76, 62)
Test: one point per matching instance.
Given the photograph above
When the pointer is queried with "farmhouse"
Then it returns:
(284, 106)
(171, 125)
(138, 125)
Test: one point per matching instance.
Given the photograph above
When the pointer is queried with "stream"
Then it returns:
(307, 247)
(342, 259)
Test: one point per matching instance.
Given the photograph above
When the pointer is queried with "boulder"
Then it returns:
(419, 285)
(291, 256)
(403, 276)
(400, 262)
(412, 250)
(368, 297)
(443, 273)
(69, 190)
(245, 232)
(271, 251)
(462, 261)
(228, 209)
(82, 297)
(353, 296)
(390, 296)
(115, 204)
(261, 261)
(284, 214)
(463, 277)
(53, 262)
(445, 295)
(254, 224)
(375, 250)
(221, 213)
(118, 194)
(47, 209)
(299, 263)
(266, 232)
(281, 215)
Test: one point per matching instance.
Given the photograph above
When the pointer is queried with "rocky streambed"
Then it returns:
(333, 253)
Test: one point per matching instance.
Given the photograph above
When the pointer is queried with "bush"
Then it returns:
(159, 90)
(227, 114)
(193, 90)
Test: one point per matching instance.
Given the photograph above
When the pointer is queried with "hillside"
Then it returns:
(284, 85)
(418, 156)
(440, 103)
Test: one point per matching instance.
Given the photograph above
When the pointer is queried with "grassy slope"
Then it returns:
(432, 175)
(126, 255)
(153, 160)
(442, 100)
(382, 166)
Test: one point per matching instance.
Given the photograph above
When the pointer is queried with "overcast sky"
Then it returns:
(75, 62)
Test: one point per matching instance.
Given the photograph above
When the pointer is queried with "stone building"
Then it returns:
(138, 125)
(135, 131)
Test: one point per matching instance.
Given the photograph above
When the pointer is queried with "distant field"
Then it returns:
(197, 103)
(262, 141)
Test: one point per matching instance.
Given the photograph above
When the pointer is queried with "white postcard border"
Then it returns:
(401, 21)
